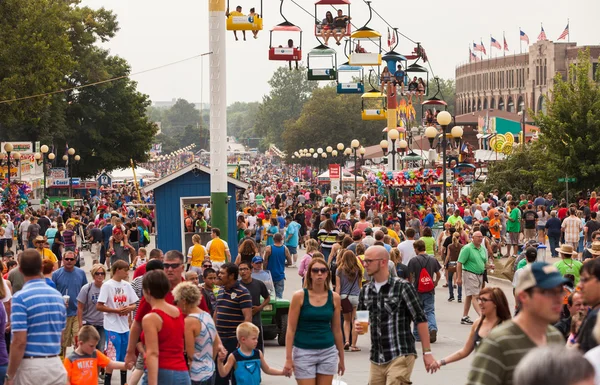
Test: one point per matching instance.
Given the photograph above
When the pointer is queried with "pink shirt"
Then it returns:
(304, 265)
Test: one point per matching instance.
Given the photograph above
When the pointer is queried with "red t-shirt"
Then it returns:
(562, 213)
(141, 270)
(145, 308)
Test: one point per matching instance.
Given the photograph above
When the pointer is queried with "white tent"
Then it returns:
(126, 174)
(348, 177)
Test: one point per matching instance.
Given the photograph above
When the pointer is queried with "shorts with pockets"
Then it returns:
(116, 345)
(310, 362)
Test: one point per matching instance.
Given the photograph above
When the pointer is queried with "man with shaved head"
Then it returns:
(392, 304)
(469, 269)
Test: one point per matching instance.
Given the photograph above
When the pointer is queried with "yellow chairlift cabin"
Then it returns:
(238, 21)
(374, 105)
(367, 51)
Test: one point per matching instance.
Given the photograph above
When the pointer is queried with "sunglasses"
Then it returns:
(69, 259)
(99, 273)
(171, 265)
(317, 270)
(205, 266)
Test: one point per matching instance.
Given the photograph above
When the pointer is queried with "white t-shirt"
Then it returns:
(116, 295)
(407, 250)
(251, 222)
(593, 356)
(9, 230)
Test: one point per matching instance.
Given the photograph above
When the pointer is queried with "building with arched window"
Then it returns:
(514, 82)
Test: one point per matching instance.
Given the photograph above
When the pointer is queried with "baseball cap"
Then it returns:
(539, 274)
(368, 231)
(486, 219)
(357, 234)
(257, 259)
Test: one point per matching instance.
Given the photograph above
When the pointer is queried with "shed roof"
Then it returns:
(185, 170)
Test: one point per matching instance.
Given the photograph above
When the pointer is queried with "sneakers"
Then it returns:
(459, 300)
(450, 299)
(466, 321)
(432, 336)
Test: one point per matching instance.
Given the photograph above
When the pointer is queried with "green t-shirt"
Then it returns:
(569, 266)
(522, 263)
(259, 199)
(329, 200)
(453, 219)
(523, 203)
(501, 351)
(429, 244)
(472, 258)
(514, 226)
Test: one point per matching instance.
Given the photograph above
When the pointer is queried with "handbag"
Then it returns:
(346, 304)
(451, 267)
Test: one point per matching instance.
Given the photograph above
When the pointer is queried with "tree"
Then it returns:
(289, 91)
(327, 119)
(447, 88)
(52, 46)
(179, 116)
(569, 129)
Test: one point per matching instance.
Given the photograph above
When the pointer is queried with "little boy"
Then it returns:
(82, 364)
(251, 359)
(140, 259)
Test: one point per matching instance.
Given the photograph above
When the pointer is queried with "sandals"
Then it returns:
(347, 346)
(354, 349)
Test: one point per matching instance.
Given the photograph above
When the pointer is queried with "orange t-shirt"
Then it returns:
(83, 369)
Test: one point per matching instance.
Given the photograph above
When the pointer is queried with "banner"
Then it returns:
(57, 173)
(18, 146)
(334, 171)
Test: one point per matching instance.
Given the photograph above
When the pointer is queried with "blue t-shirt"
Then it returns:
(70, 283)
(107, 233)
(50, 283)
(429, 220)
(276, 263)
(50, 234)
(399, 75)
(39, 310)
(247, 368)
(292, 230)
(272, 230)
(281, 221)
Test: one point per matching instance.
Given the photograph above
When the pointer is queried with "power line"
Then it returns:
(102, 81)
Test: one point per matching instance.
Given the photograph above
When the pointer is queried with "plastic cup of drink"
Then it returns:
(362, 317)
(66, 298)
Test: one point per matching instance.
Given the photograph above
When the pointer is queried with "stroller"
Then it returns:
(84, 234)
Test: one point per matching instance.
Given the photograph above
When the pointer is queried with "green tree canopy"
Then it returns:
(51, 45)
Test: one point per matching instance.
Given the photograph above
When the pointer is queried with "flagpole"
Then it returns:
(490, 45)
(503, 42)
(569, 31)
(520, 42)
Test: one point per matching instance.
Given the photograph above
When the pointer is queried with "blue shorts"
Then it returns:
(116, 345)
(293, 250)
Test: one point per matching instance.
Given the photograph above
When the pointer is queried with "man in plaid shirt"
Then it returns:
(392, 304)
(571, 228)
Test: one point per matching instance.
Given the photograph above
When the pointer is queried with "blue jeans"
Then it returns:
(554, 243)
(170, 377)
(279, 288)
(326, 251)
(3, 369)
(581, 244)
(428, 303)
(451, 288)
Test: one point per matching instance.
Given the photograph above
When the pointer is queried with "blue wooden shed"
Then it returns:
(189, 185)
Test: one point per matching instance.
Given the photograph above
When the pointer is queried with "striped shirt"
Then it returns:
(40, 311)
(572, 226)
(501, 351)
(328, 239)
(228, 310)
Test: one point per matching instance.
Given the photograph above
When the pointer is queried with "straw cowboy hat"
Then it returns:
(566, 249)
(595, 249)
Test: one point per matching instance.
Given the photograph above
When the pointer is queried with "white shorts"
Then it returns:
(95, 250)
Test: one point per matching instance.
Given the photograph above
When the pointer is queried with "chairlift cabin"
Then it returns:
(322, 63)
(420, 72)
(365, 38)
(287, 51)
(374, 105)
(431, 104)
(350, 79)
(392, 59)
(237, 21)
(321, 9)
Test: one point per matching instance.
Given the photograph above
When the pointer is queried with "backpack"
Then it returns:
(425, 284)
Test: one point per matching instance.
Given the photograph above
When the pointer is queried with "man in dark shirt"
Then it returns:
(33, 231)
(589, 283)
(574, 304)
(590, 227)
(234, 306)
(257, 290)
(44, 223)
(530, 217)
(96, 239)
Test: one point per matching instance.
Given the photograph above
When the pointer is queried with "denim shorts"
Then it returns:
(292, 249)
(170, 377)
(310, 362)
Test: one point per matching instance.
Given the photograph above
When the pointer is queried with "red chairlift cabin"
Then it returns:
(333, 9)
(285, 53)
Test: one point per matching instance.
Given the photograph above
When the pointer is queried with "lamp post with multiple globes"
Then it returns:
(9, 160)
(44, 156)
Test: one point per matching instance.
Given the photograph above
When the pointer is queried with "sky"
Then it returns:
(154, 33)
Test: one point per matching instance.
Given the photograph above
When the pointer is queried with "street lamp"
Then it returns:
(457, 133)
(77, 158)
(444, 118)
(393, 134)
(355, 144)
(44, 156)
(8, 160)
(403, 146)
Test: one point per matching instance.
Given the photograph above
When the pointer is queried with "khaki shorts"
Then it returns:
(396, 372)
(513, 238)
(71, 330)
(471, 283)
(530, 233)
(95, 250)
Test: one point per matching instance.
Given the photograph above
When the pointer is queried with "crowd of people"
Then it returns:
(196, 318)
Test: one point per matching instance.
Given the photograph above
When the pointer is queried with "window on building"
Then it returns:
(493, 103)
(501, 104)
(511, 105)
(521, 104)
(545, 71)
(485, 104)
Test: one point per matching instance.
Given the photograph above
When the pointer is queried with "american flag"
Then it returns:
(478, 47)
(505, 44)
(483, 48)
(494, 43)
(473, 57)
(542, 35)
(524, 36)
(565, 33)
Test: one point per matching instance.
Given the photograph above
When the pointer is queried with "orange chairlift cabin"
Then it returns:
(238, 21)
(288, 51)
(332, 20)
